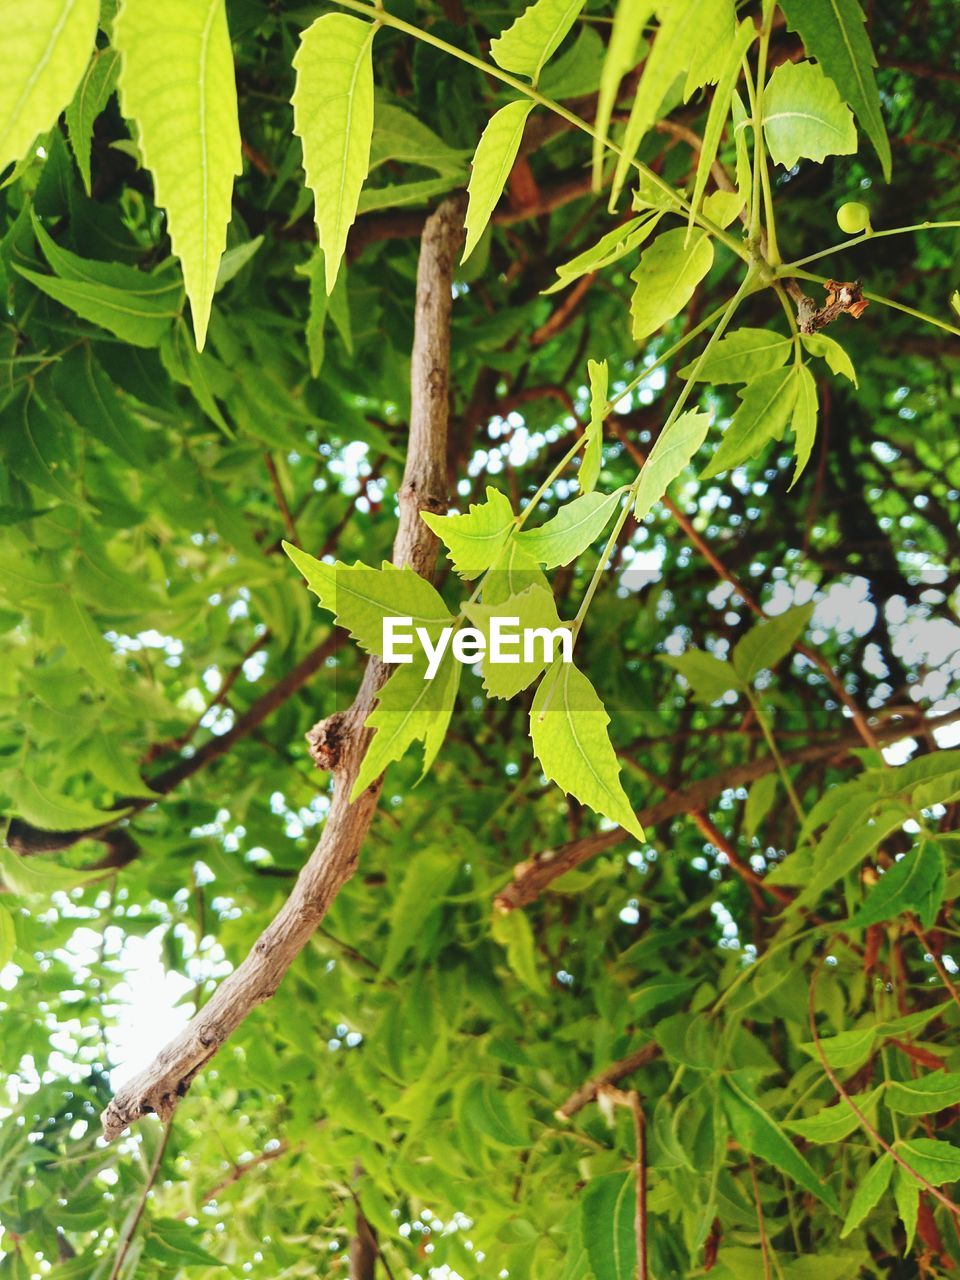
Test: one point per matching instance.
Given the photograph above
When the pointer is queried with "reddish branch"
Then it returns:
(617, 1071)
(163, 1083)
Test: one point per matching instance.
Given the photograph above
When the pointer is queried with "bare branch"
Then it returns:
(161, 1085)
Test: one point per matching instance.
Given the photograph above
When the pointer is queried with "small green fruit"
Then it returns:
(853, 217)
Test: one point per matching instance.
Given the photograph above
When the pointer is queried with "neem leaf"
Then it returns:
(46, 45)
(52, 812)
(673, 451)
(709, 677)
(628, 23)
(608, 249)
(593, 453)
(513, 573)
(37, 877)
(492, 162)
(766, 408)
(512, 930)
(426, 879)
(758, 1133)
(177, 84)
(8, 937)
(360, 597)
(804, 420)
(934, 1160)
(925, 1095)
(333, 118)
(535, 36)
(533, 609)
(834, 1123)
(474, 540)
(98, 82)
(568, 727)
(833, 32)
(717, 116)
(575, 526)
(741, 356)
(906, 1192)
(868, 1192)
(607, 1225)
(666, 278)
(819, 344)
(804, 115)
(770, 640)
(914, 883)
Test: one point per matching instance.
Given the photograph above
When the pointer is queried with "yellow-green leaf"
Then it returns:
(177, 84)
(673, 451)
(535, 36)
(593, 453)
(492, 162)
(804, 116)
(666, 277)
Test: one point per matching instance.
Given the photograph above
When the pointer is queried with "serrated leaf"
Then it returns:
(102, 755)
(833, 859)
(426, 879)
(38, 877)
(693, 37)
(535, 36)
(177, 1244)
(804, 420)
(513, 573)
(759, 802)
(575, 526)
(360, 597)
(39, 451)
(512, 930)
(87, 394)
(8, 937)
(914, 883)
(178, 86)
(610, 248)
(589, 473)
(848, 1049)
(76, 629)
(493, 1114)
(906, 1192)
(770, 640)
(717, 116)
(709, 677)
(833, 32)
(400, 135)
(607, 1225)
(234, 260)
(934, 1160)
(673, 451)
(622, 51)
(819, 344)
(410, 708)
(98, 83)
(758, 1133)
(834, 1123)
(924, 1096)
(333, 118)
(741, 356)
(532, 608)
(804, 116)
(766, 407)
(666, 277)
(568, 728)
(492, 162)
(475, 540)
(45, 49)
(868, 1193)
(577, 71)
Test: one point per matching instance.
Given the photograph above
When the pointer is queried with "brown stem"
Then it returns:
(617, 1071)
(130, 1229)
(163, 1083)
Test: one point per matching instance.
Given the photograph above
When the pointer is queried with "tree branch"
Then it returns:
(161, 1085)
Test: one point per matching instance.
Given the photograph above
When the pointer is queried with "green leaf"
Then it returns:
(235, 259)
(475, 540)
(426, 879)
(76, 629)
(93, 93)
(709, 677)
(535, 36)
(45, 49)
(766, 409)
(717, 116)
(8, 937)
(673, 451)
(575, 526)
(925, 1095)
(833, 32)
(804, 420)
(38, 877)
(492, 162)
(769, 641)
(577, 71)
(589, 473)
(360, 597)
(399, 135)
(177, 1244)
(914, 883)
(568, 727)
(513, 573)
(622, 54)
(487, 1111)
(818, 344)
(834, 859)
(742, 356)
(759, 802)
(410, 708)
(533, 608)
(512, 930)
(694, 36)
(758, 1133)
(834, 1123)
(90, 396)
(177, 84)
(804, 116)
(937, 1161)
(610, 248)
(868, 1193)
(906, 1192)
(666, 277)
(608, 1208)
(333, 118)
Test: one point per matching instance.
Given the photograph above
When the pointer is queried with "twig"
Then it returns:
(130, 1230)
(617, 1071)
(760, 1222)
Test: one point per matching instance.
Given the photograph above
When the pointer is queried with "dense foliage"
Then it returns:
(719, 1037)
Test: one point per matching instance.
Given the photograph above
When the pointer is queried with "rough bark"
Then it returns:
(159, 1087)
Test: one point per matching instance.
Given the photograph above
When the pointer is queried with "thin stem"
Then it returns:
(134, 1221)
(767, 1275)
(662, 360)
(561, 466)
(490, 69)
(640, 1220)
(601, 565)
(775, 752)
(791, 267)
